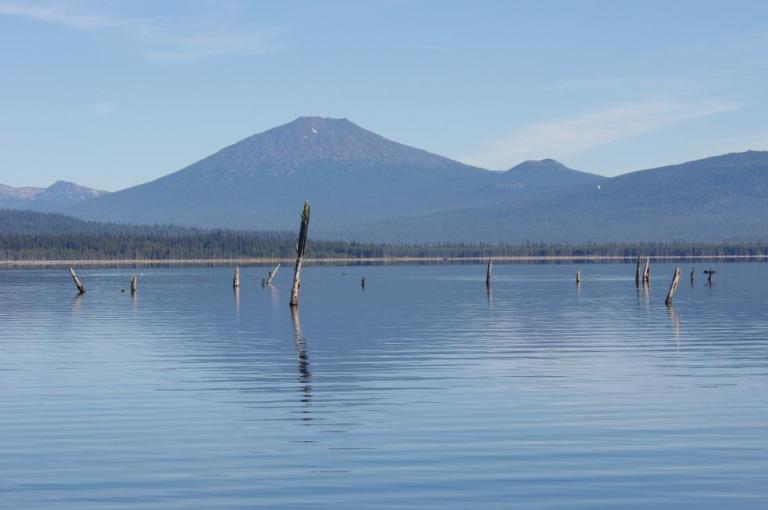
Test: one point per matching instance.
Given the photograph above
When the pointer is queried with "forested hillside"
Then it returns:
(26, 235)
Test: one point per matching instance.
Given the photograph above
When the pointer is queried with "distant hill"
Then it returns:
(718, 199)
(26, 222)
(348, 173)
(59, 196)
(546, 175)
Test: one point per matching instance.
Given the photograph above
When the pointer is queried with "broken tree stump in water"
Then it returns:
(78, 283)
(578, 278)
(236, 278)
(637, 272)
(673, 287)
(710, 273)
(647, 271)
(300, 246)
(271, 275)
(693, 275)
(134, 284)
(489, 273)
(362, 282)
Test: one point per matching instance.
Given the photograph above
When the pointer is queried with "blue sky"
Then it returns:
(111, 94)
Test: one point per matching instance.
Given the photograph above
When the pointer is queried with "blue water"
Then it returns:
(420, 391)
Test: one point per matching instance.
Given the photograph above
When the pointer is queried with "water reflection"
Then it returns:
(675, 323)
(644, 297)
(236, 292)
(305, 374)
(74, 305)
(273, 293)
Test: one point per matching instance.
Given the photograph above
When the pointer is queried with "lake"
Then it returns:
(419, 391)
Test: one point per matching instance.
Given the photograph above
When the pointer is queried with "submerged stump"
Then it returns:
(673, 287)
(76, 280)
(270, 276)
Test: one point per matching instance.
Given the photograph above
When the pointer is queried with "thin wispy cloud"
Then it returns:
(158, 40)
(575, 135)
(58, 14)
(102, 109)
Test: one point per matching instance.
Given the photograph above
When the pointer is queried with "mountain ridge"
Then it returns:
(58, 196)
(717, 199)
(346, 171)
(367, 187)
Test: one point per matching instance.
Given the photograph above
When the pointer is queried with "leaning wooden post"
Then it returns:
(271, 275)
(489, 273)
(647, 271)
(673, 287)
(300, 245)
(236, 279)
(637, 272)
(78, 283)
(134, 284)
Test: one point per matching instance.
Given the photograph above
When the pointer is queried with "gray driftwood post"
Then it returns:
(236, 278)
(637, 272)
(673, 287)
(78, 283)
(271, 275)
(300, 245)
(578, 277)
(489, 273)
(647, 271)
(134, 284)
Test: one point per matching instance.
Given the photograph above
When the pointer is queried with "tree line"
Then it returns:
(231, 245)
(26, 235)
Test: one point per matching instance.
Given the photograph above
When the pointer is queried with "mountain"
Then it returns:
(717, 199)
(9, 193)
(544, 176)
(58, 196)
(349, 174)
(366, 187)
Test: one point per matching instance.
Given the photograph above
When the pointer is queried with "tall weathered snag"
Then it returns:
(236, 278)
(300, 245)
(134, 284)
(489, 273)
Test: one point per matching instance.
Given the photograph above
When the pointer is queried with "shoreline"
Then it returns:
(264, 261)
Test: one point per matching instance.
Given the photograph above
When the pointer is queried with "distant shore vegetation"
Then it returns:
(26, 236)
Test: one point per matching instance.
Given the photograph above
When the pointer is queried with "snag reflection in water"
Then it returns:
(305, 375)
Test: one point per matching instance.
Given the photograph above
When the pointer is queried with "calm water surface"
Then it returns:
(421, 391)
